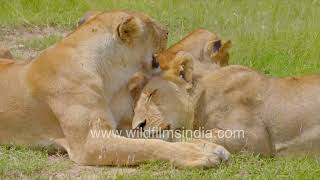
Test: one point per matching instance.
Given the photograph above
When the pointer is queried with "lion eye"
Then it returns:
(152, 93)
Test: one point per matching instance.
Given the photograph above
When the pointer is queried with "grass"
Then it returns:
(41, 43)
(20, 162)
(279, 38)
(243, 166)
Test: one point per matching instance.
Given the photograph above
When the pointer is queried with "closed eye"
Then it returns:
(153, 92)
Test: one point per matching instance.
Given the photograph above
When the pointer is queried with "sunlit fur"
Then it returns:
(200, 44)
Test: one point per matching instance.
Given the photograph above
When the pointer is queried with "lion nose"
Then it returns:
(141, 125)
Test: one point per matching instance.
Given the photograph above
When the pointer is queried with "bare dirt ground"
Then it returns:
(74, 171)
(14, 39)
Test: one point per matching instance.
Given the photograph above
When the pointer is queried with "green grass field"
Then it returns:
(276, 37)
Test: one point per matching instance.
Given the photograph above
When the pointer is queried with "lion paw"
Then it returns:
(205, 155)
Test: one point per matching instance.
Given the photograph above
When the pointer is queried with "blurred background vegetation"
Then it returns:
(276, 37)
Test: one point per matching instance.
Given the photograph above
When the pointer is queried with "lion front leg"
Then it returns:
(79, 122)
(117, 150)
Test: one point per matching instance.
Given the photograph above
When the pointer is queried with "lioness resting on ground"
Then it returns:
(80, 85)
(276, 115)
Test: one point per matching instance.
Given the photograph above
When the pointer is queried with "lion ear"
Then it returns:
(129, 29)
(136, 84)
(220, 51)
(216, 46)
(181, 68)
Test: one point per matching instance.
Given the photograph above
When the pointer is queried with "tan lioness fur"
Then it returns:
(79, 86)
(275, 115)
(202, 44)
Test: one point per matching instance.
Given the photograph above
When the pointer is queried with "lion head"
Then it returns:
(132, 35)
(203, 45)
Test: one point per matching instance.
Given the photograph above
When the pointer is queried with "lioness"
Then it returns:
(276, 115)
(79, 86)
